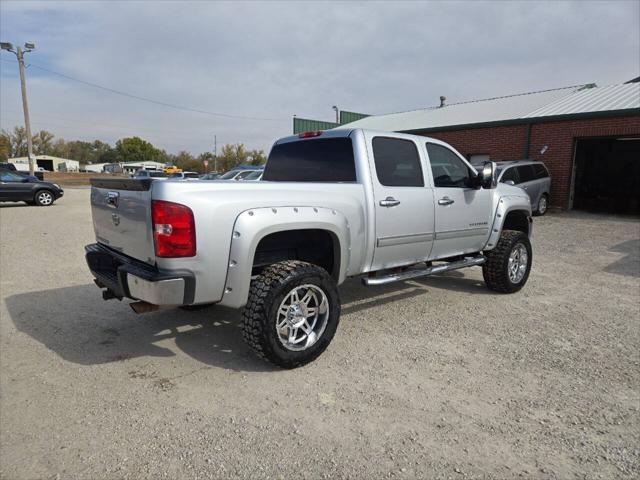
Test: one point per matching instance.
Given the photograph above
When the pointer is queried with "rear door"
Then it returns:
(121, 211)
(403, 202)
(462, 213)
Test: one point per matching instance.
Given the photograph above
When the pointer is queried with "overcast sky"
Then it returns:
(271, 60)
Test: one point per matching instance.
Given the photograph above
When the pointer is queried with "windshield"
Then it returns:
(254, 175)
(229, 175)
(157, 174)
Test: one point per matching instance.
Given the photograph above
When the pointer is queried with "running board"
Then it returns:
(424, 272)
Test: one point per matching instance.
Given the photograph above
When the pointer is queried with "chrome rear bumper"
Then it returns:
(124, 276)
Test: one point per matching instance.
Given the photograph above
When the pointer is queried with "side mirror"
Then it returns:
(510, 182)
(485, 176)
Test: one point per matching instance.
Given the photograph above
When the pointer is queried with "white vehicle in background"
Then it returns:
(254, 176)
(185, 175)
(152, 174)
(236, 174)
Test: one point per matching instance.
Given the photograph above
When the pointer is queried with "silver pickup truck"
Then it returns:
(335, 204)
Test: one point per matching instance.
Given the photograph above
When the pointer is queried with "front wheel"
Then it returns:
(509, 263)
(292, 313)
(44, 198)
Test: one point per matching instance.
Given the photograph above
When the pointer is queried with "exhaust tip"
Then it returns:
(143, 307)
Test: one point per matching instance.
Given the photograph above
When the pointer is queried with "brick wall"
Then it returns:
(560, 138)
(507, 143)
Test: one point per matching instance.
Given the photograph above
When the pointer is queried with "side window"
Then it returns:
(526, 173)
(243, 174)
(448, 169)
(10, 177)
(541, 170)
(510, 174)
(397, 162)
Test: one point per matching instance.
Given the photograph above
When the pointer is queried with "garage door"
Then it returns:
(607, 175)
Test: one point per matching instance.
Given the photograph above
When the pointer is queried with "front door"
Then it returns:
(462, 213)
(14, 187)
(404, 213)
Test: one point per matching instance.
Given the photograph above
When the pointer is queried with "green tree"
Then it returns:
(102, 152)
(5, 146)
(60, 149)
(257, 157)
(187, 162)
(234, 155)
(18, 142)
(43, 143)
(80, 151)
(135, 149)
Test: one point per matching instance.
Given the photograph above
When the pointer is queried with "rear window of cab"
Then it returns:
(315, 160)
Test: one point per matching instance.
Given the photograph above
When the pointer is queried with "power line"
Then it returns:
(150, 100)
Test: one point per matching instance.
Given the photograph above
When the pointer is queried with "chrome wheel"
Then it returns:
(302, 317)
(542, 205)
(45, 198)
(518, 263)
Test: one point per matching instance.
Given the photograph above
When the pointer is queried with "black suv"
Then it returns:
(16, 187)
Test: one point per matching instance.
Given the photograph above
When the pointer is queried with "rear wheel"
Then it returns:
(543, 204)
(292, 313)
(44, 198)
(509, 263)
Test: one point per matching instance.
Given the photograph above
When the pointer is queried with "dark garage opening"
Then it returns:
(607, 175)
(46, 164)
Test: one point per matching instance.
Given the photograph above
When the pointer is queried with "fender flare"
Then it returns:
(507, 204)
(251, 226)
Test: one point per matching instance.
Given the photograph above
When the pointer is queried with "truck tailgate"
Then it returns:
(121, 211)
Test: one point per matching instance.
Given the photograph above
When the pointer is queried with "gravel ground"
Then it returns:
(437, 378)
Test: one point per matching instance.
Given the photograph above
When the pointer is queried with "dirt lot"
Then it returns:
(437, 378)
(75, 179)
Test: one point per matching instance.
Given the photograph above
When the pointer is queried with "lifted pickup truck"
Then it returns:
(332, 205)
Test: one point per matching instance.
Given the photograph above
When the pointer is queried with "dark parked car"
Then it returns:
(15, 187)
(7, 166)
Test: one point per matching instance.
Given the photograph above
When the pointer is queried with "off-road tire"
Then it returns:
(495, 269)
(538, 211)
(266, 293)
(44, 198)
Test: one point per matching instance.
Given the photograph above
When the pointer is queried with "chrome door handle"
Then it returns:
(389, 202)
(445, 201)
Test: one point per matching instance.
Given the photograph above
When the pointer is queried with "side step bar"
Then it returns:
(424, 272)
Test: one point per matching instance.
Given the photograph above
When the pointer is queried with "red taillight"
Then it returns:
(174, 230)
(315, 133)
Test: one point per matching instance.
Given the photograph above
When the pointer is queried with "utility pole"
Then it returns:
(23, 84)
(215, 153)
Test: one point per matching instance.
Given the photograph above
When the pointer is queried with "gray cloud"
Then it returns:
(271, 59)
